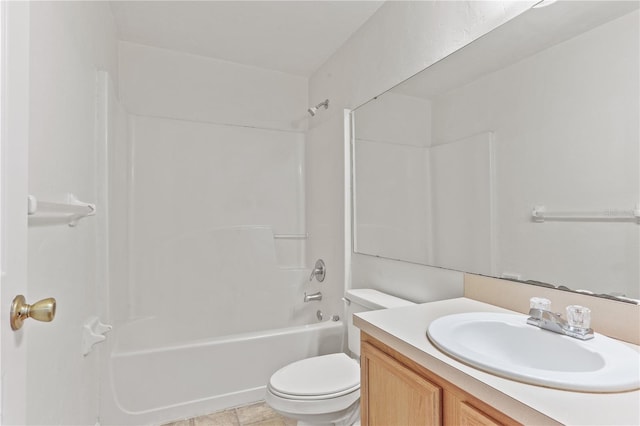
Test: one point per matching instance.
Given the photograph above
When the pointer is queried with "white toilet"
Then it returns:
(325, 390)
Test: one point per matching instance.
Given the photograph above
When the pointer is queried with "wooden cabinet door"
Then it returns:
(392, 394)
(458, 411)
(471, 416)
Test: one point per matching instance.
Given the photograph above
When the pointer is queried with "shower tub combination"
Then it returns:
(213, 332)
(206, 265)
(159, 380)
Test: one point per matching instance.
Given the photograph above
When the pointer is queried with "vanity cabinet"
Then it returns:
(398, 391)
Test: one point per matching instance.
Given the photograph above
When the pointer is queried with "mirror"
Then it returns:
(516, 157)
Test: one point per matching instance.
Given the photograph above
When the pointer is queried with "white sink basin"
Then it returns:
(505, 345)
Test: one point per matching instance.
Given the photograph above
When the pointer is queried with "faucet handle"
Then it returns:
(579, 316)
(319, 271)
(540, 303)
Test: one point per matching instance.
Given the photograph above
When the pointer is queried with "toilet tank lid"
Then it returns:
(374, 299)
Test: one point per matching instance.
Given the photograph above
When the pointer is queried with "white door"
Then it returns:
(14, 110)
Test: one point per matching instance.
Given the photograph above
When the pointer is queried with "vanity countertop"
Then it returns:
(404, 329)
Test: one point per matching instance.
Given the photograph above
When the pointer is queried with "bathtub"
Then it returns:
(154, 377)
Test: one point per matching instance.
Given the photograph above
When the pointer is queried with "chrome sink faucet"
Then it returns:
(576, 325)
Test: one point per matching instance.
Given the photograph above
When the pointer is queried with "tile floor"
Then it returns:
(258, 414)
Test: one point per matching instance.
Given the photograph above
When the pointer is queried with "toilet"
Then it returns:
(325, 390)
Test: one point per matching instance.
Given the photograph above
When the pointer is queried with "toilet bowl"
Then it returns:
(319, 390)
(325, 390)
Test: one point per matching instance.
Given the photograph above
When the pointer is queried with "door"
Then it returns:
(14, 130)
(392, 394)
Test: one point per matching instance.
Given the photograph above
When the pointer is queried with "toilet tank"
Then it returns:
(366, 299)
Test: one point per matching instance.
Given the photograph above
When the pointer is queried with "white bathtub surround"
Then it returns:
(206, 202)
(214, 226)
(200, 374)
(396, 134)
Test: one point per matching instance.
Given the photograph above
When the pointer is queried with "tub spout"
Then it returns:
(310, 297)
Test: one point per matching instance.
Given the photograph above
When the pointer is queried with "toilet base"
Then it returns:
(351, 419)
(312, 417)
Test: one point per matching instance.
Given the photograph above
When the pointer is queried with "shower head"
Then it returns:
(312, 111)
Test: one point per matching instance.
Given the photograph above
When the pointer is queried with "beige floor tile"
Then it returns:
(259, 414)
(255, 413)
(221, 418)
(287, 421)
(276, 421)
(268, 422)
(187, 422)
(290, 422)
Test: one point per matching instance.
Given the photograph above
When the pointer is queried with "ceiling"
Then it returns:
(294, 37)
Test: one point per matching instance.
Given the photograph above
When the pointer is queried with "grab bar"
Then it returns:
(540, 214)
(290, 236)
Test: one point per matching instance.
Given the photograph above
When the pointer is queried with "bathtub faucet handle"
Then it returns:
(319, 271)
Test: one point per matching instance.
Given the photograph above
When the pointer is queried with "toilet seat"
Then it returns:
(317, 378)
(291, 407)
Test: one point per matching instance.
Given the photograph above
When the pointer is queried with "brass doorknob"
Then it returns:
(43, 310)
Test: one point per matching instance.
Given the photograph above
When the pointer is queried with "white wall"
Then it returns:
(165, 83)
(401, 39)
(217, 160)
(69, 43)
